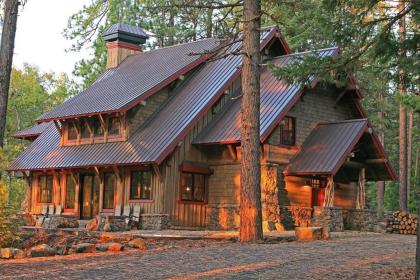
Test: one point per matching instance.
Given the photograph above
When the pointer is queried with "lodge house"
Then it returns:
(160, 129)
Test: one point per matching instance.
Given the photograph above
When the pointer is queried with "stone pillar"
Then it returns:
(269, 197)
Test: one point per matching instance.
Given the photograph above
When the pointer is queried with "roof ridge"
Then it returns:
(343, 121)
(180, 44)
(305, 52)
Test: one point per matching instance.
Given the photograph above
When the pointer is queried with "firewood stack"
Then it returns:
(401, 222)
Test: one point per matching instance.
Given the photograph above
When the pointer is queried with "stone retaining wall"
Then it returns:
(111, 223)
(154, 221)
(360, 219)
(57, 221)
(295, 216)
(331, 217)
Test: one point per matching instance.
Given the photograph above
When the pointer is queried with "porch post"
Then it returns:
(329, 193)
(361, 190)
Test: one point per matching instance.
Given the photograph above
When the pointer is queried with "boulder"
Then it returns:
(268, 226)
(280, 227)
(42, 250)
(308, 233)
(107, 237)
(112, 247)
(137, 243)
(84, 248)
(11, 253)
(62, 250)
(92, 225)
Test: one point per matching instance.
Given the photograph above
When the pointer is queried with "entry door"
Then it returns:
(318, 195)
(89, 207)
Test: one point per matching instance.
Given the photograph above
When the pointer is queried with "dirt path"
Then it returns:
(366, 257)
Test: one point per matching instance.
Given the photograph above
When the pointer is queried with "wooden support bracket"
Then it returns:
(74, 177)
(59, 128)
(117, 172)
(232, 152)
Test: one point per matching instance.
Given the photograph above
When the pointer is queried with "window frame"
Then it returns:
(193, 172)
(293, 130)
(103, 192)
(38, 189)
(67, 127)
(143, 200)
(108, 121)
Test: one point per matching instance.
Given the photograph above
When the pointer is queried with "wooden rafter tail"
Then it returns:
(74, 177)
(117, 172)
(232, 152)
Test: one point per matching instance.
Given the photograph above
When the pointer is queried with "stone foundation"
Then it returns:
(222, 217)
(360, 219)
(111, 223)
(295, 216)
(331, 217)
(57, 221)
(154, 221)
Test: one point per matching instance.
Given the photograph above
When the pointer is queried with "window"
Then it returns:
(114, 126)
(71, 131)
(98, 130)
(45, 188)
(287, 131)
(140, 185)
(193, 187)
(85, 127)
(109, 190)
(317, 183)
(70, 193)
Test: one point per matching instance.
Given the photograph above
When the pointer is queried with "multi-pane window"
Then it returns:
(70, 193)
(114, 126)
(45, 188)
(85, 127)
(140, 185)
(287, 131)
(72, 131)
(193, 187)
(98, 130)
(109, 191)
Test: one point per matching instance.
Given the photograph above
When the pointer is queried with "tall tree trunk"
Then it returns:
(402, 123)
(251, 213)
(209, 23)
(409, 152)
(380, 186)
(6, 57)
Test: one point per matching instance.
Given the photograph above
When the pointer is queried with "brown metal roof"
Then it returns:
(277, 97)
(152, 142)
(135, 79)
(326, 148)
(31, 132)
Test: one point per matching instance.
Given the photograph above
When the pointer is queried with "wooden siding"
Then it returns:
(294, 192)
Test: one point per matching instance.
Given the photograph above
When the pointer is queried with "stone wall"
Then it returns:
(360, 219)
(331, 217)
(154, 221)
(222, 217)
(295, 216)
(57, 221)
(111, 223)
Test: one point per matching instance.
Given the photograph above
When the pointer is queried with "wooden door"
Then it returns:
(89, 196)
(318, 195)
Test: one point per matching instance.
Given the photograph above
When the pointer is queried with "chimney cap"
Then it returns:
(125, 33)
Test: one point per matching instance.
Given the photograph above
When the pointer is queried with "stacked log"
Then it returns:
(401, 222)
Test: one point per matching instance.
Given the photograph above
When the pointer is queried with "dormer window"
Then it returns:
(114, 126)
(94, 129)
(72, 131)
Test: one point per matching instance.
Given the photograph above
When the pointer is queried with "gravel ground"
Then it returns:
(364, 257)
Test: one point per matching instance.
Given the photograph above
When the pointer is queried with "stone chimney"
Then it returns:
(123, 40)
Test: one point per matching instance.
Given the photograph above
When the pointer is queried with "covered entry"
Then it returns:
(89, 195)
(337, 159)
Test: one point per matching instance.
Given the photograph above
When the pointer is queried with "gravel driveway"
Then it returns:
(366, 257)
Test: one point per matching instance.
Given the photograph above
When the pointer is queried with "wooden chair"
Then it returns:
(127, 213)
(117, 211)
(58, 210)
(41, 217)
(136, 214)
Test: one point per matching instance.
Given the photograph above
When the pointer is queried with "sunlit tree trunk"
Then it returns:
(402, 123)
(251, 214)
(6, 57)
(409, 152)
(380, 185)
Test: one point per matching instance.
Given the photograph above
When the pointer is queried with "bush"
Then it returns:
(9, 226)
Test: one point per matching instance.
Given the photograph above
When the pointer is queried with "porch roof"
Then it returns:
(30, 132)
(330, 146)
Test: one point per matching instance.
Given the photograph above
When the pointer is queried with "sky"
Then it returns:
(39, 39)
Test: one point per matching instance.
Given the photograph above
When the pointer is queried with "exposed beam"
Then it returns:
(74, 177)
(117, 172)
(339, 97)
(376, 161)
(157, 172)
(102, 121)
(232, 152)
(60, 129)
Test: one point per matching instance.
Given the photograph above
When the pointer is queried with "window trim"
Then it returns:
(103, 192)
(280, 144)
(37, 189)
(134, 200)
(197, 202)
